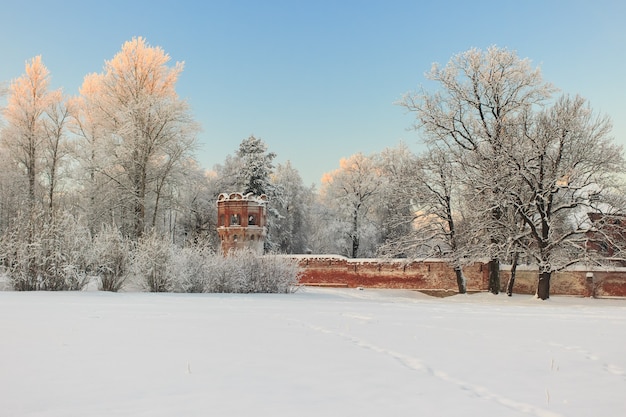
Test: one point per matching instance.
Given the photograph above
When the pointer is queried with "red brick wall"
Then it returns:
(609, 283)
(437, 275)
(584, 283)
(376, 273)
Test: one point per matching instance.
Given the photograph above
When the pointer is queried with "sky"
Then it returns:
(317, 80)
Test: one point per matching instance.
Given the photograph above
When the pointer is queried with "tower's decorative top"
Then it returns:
(259, 199)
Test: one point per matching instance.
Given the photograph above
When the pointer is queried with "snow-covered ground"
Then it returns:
(318, 352)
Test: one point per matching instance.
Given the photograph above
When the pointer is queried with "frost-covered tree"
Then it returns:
(481, 93)
(429, 187)
(480, 99)
(568, 166)
(256, 167)
(395, 211)
(328, 231)
(531, 169)
(292, 227)
(352, 191)
(133, 113)
(197, 220)
(56, 150)
(97, 192)
(227, 175)
(12, 185)
(24, 134)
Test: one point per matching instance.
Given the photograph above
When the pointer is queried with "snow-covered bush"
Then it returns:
(281, 274)
(109, 258)
(44, 254)
(61, 255)
(21, 262)
(225, 276)
(246, 272)
(188, 268)
(150, 261)
(198, 269)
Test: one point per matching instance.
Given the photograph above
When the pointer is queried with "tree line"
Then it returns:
(510, 174)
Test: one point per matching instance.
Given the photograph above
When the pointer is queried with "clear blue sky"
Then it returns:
(316, 80)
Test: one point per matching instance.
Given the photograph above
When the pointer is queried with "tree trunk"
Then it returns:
(139, 209)
(511, 283)
(157, 199)
(460, 280)
(543, 287)
(494, 276)
(355, 234)
(52, 185)
(139, 214)
(31, 172)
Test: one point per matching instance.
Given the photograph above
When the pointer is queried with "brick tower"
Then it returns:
(241, 221)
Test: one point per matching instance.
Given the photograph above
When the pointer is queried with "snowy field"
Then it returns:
(318, 352)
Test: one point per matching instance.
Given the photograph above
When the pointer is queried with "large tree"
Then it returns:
(531, 168)
(352, 191)
(12, 185)
(292, 226)
(97, 195)
(480, 98)
(567, 166)
(395, 211)
(133, 113)
(56, 149)
(198, 217)
(429, 188)
(256, 166)
(25, 133)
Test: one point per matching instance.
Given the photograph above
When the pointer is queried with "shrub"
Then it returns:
(246, 272)
(278, 274)
(225, 276)
(188, 268)
(109, 258)
(44, 254)
(150, 261)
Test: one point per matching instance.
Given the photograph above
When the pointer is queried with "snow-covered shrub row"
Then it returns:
(198, 269)
(63, 255)
(158, 266)
(42, 254)
(246, 272)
